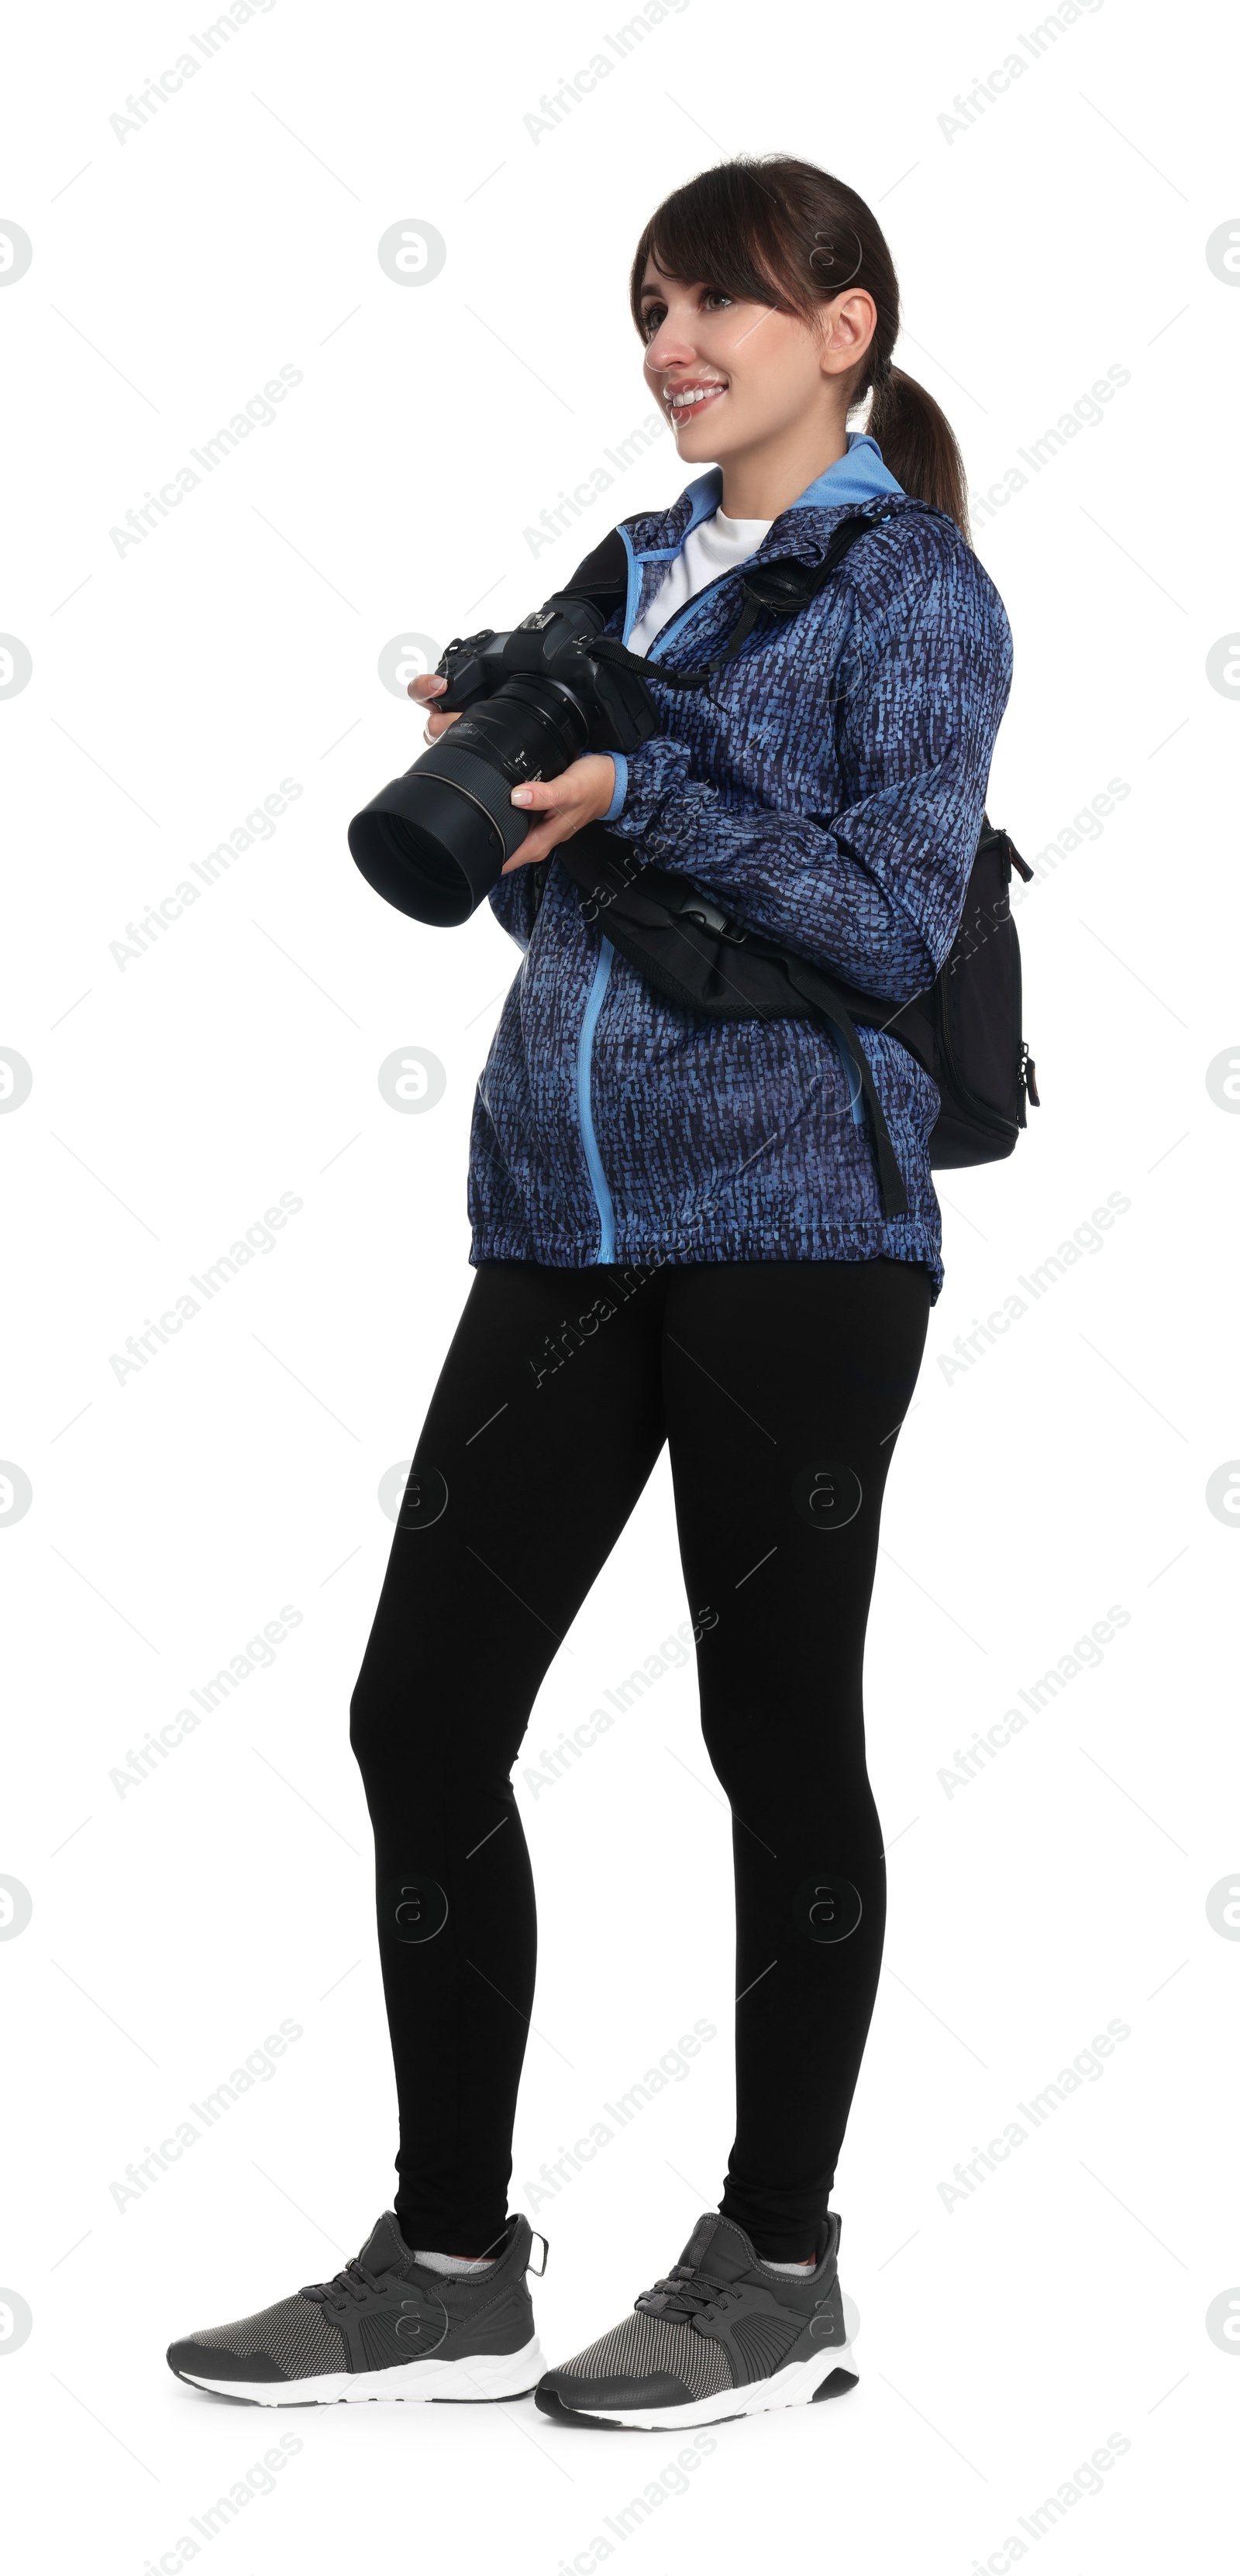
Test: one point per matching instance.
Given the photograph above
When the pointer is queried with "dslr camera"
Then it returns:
(531, 701)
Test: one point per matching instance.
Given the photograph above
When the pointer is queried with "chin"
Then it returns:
(696, 450)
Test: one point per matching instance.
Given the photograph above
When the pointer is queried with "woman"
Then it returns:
(679, 1235)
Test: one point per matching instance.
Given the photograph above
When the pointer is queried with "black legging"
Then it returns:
(779, 1387)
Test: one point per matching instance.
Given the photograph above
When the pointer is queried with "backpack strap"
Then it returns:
(683, 944)
(780, 588)
(829, 1005)
(604, 576)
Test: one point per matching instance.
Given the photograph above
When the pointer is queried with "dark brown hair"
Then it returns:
(776, 231)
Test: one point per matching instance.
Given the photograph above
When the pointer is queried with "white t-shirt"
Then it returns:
(710, 549)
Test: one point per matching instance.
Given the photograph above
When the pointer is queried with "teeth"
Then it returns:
(702, 393)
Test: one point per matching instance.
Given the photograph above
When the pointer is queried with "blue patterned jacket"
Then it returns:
(827, 791)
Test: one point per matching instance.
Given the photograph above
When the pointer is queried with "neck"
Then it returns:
(761, 481)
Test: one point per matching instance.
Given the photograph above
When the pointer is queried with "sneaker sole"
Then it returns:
(803, 2383)
(477, 2380)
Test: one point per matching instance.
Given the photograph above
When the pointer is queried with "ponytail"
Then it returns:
(918, 443)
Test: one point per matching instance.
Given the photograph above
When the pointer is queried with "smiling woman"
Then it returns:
(800, 302)
(701, 1193)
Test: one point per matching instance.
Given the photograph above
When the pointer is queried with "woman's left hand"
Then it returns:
(578, 796)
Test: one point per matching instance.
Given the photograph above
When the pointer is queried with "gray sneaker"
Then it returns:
(723, 2335)
(386, 2326)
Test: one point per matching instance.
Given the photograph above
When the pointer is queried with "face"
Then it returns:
(734, 376)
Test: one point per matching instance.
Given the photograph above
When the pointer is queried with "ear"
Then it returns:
(850, 321)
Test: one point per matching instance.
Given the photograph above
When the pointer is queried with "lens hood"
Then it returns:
(434, 842)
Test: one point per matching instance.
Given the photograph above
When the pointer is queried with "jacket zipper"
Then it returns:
(598, 1178)
(602, 973)
(679, 615)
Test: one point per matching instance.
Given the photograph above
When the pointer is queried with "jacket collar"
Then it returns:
(855, 478)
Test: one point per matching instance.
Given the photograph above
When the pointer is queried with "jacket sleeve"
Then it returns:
(874, 890)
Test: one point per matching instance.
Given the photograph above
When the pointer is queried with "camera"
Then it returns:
(531, 700)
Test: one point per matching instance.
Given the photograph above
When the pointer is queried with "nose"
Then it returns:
(670, 347)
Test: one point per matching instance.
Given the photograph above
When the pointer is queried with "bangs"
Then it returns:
(728, 232)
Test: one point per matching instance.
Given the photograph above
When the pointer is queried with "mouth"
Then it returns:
(688, 401)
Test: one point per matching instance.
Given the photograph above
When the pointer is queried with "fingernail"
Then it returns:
(522, 796)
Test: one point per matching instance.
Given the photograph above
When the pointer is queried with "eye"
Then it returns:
(712, 298)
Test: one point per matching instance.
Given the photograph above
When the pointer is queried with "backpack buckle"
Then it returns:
(707, 916)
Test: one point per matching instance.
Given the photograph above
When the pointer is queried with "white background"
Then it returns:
(1007, 2337)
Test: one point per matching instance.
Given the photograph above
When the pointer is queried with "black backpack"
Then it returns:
(964, 1029)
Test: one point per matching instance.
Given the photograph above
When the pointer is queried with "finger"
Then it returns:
(539, 843)
(435, 725)
(428, 684)
(536, 847)
(542, 795)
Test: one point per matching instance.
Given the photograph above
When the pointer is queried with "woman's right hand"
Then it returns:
(422, 690)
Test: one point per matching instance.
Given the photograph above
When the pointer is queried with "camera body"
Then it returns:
(531, 700)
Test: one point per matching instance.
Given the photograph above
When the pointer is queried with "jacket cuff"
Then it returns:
(622, 784)
(656, 772)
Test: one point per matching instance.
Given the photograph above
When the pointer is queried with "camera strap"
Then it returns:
(780, 588)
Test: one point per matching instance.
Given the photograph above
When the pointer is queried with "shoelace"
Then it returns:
(355, 2282)
(688, 2292)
